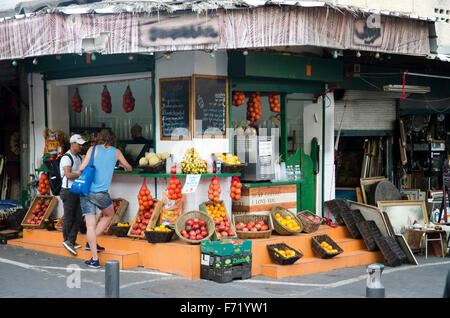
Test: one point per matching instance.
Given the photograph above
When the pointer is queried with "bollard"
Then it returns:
(374, 287)
(112, 279)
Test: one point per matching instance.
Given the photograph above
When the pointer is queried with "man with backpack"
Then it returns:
(69, 168)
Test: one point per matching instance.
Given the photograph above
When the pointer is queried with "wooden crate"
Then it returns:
(59, 225)
(202, 207)
(117, 216)
(152, 223)
(263, 198)
(48, 212)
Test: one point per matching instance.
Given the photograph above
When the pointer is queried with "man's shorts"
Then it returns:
(94, 200)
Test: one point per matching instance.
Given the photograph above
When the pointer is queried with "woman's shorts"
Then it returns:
(94, 200)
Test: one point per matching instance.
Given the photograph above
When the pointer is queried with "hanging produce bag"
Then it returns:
(145, 198)
(77, 103)
(235, 189)
(44, 185)
(254, 109)
(238, 98)
(106, 100)
(274, 103)
(172, 202)
(214, 190)
(128, 100)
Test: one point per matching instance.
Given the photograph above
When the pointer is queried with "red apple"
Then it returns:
(183, 232)
(258, 226)
(190, 222)
(251, 224)
(197, 231)
(260, 222)
(230, 233)
(224, 234)
(195, 226)
(264, 227)
(192, 233)
(188, 228)
(196, 220)
(202, 223)
(254, 229)
(245, 229)
(204, 233)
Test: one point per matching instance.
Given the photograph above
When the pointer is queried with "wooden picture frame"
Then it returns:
(371, 213)
(227, 105)
(401, 214)
(162, 80)
(422, 195)
(414, 193)
(368, 182)
(406, 249)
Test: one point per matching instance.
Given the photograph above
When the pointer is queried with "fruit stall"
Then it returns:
(215, 161)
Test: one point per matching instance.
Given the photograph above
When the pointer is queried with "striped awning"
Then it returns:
(258, 27)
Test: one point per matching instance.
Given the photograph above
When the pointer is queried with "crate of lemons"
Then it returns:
(283, 254)
(328, 247)
(159, 234)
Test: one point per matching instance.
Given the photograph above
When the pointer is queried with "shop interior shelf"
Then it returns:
(263, 184)
(205, 175)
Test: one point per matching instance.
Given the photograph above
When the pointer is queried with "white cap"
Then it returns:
(78, 139)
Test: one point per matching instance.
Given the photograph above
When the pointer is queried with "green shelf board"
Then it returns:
(205, 175)
(137, 171)
(42, 170)
(265, 184)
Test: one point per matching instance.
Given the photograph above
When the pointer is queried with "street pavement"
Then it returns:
(25, 273)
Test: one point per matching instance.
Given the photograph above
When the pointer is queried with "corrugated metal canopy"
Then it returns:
(20, 8)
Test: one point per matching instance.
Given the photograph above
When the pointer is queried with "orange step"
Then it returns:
(126, 259)
(181, 258)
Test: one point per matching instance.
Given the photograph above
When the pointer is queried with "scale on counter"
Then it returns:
(259, 154)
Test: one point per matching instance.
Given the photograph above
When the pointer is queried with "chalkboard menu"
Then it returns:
(175, 108)
(210, 106)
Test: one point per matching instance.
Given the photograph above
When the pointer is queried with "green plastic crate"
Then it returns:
(224, 247)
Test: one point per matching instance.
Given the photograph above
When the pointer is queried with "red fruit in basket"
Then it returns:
(195, 226)
(188, 228)
(204, 233)
(264, 227)
(254, 229)
(135, 226)
(147, 215)
(230, 233)
(224, 234)
(202, 223)
(192, 233)
(145, 222)
(199, 237)
(260, 222)
(183, 232)
(251, 224)
(245, 229)
(258, 226)
(196, 220)
(190, 222)
(143, 226)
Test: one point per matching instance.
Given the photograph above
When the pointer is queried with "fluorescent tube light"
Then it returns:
(407, 88)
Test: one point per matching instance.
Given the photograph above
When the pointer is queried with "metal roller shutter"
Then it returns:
(366, 111)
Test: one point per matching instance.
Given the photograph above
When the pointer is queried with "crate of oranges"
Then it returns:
(324, 246)
(218, 212)
(285, 222)
(283, 254)
(159, 234)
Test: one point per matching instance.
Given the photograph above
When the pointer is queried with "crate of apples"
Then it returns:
(145, 218)
(41, 208)
(222, 223)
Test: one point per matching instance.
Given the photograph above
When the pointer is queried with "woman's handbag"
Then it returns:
(82, 184)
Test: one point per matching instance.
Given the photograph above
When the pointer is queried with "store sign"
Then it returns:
(188, 29)
(367, 31)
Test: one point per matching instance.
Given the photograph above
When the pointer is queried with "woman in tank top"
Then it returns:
(105, 158)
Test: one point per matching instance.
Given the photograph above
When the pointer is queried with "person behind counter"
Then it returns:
(105, 157)
(136, 134)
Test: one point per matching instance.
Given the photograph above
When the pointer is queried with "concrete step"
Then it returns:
(311, 265)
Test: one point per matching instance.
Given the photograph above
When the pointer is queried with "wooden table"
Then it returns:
(417, 241)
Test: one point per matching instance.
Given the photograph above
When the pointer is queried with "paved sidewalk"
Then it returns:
(27, 273)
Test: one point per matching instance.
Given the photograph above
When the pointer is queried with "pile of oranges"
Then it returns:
(254, 109)
(145, 199)
(238, 98)
(43, 185)
(216, 212)
(214, 190)
(274, 103)
(174, 188)
(235, 190)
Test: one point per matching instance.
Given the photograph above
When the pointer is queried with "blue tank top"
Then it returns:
(104, 163)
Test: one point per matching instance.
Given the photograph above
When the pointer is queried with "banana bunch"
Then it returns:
(192, 163)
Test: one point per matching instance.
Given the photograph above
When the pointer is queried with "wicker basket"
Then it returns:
(391, 251)
(320, 251)
(181, 222)
(366, 234)
(119, 231)
(336, 207)
(280, 228)
(159, 237)
(309, 226)
(247, 217)
(349, 220)
(158, 168)
(279, 259)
